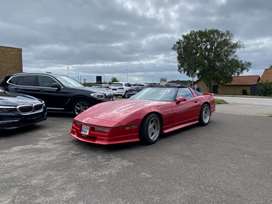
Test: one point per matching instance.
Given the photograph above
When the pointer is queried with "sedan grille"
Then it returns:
(25, 109)
(29, 109)
(37, 107)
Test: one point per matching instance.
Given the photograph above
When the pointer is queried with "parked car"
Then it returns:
(143, 117)
(57, 91)
(120, 88)
(18, 110)
(135, 88)
(106, 91)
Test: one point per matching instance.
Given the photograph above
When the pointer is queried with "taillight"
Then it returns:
(76, 124)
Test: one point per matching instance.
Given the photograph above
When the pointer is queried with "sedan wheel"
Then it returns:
(151, 129)
(80, 106)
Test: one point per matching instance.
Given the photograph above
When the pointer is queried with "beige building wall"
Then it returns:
(202, 86)
(233, 90)
(225, 89)
(10, 61)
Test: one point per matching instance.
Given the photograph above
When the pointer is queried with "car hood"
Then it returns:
(94, 90)
(113, 111)
(11, 99)
(100, 90)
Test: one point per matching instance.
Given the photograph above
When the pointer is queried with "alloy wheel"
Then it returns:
(154, 128)
(206, 114)
(80, 106)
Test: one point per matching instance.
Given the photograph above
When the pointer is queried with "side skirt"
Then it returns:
(180, 126)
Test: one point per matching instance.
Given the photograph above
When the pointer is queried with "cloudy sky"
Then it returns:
(127, 38)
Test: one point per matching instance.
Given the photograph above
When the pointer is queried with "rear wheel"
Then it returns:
(205, 114)
(80, 106)
(151, 129)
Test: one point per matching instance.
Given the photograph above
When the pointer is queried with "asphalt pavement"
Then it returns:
(246, 105)
(228, 161)
(248, 100)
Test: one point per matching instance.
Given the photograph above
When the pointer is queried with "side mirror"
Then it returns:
(180, 99)
(56, 85)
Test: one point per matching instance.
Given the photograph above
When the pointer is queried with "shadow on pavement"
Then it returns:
(19, 131)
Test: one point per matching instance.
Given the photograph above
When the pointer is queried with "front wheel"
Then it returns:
(150, 129)
(205, 114)
(80, 106)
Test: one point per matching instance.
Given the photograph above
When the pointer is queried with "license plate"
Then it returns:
(85, 130)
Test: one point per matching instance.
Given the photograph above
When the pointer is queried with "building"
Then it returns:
(186, 83)
(10, 61)
(240, 85)
(267, 75)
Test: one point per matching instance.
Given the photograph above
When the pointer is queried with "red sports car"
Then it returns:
(144, 116)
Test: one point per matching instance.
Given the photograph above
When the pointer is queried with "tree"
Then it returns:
(209, 55)
(264, 89)
(114, 79)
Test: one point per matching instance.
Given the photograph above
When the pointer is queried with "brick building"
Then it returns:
(267, 75)
(10, 61)
(240, 85)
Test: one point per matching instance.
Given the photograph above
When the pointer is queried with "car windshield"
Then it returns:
(157, 94)
(68, 82)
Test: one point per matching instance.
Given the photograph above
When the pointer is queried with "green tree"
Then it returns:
(264, 89)
(114, 79)
(210, 55)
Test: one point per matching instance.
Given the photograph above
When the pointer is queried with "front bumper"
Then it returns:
(16, 120)
(116, 135)
(118, 92)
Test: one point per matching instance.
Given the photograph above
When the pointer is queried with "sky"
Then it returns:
(127, 39)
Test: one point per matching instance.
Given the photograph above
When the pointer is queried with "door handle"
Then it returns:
(196, 101)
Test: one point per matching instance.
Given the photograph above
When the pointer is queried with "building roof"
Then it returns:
(267, 75)
(245, 80)
(6, 47)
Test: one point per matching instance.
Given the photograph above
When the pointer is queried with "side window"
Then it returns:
(30, 80)
(46, 81)
(185, 92)
(13, 80)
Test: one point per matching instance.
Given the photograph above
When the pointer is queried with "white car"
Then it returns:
(120, 88)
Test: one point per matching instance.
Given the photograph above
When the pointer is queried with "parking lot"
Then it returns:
(229, 161)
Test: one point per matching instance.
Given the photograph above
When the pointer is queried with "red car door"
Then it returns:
(186, 111)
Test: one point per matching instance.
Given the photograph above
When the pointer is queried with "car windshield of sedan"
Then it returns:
(157, 94)
(68, 82)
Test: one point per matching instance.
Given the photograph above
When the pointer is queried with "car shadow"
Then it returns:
(106, 148)
(19, 131)
(60, 114)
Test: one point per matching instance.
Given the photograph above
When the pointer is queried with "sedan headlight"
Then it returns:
(98, 95)
(7, 109)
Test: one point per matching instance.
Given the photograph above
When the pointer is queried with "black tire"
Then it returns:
(126, 95)
(205, 114)
(146, 134)
(80, 105)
